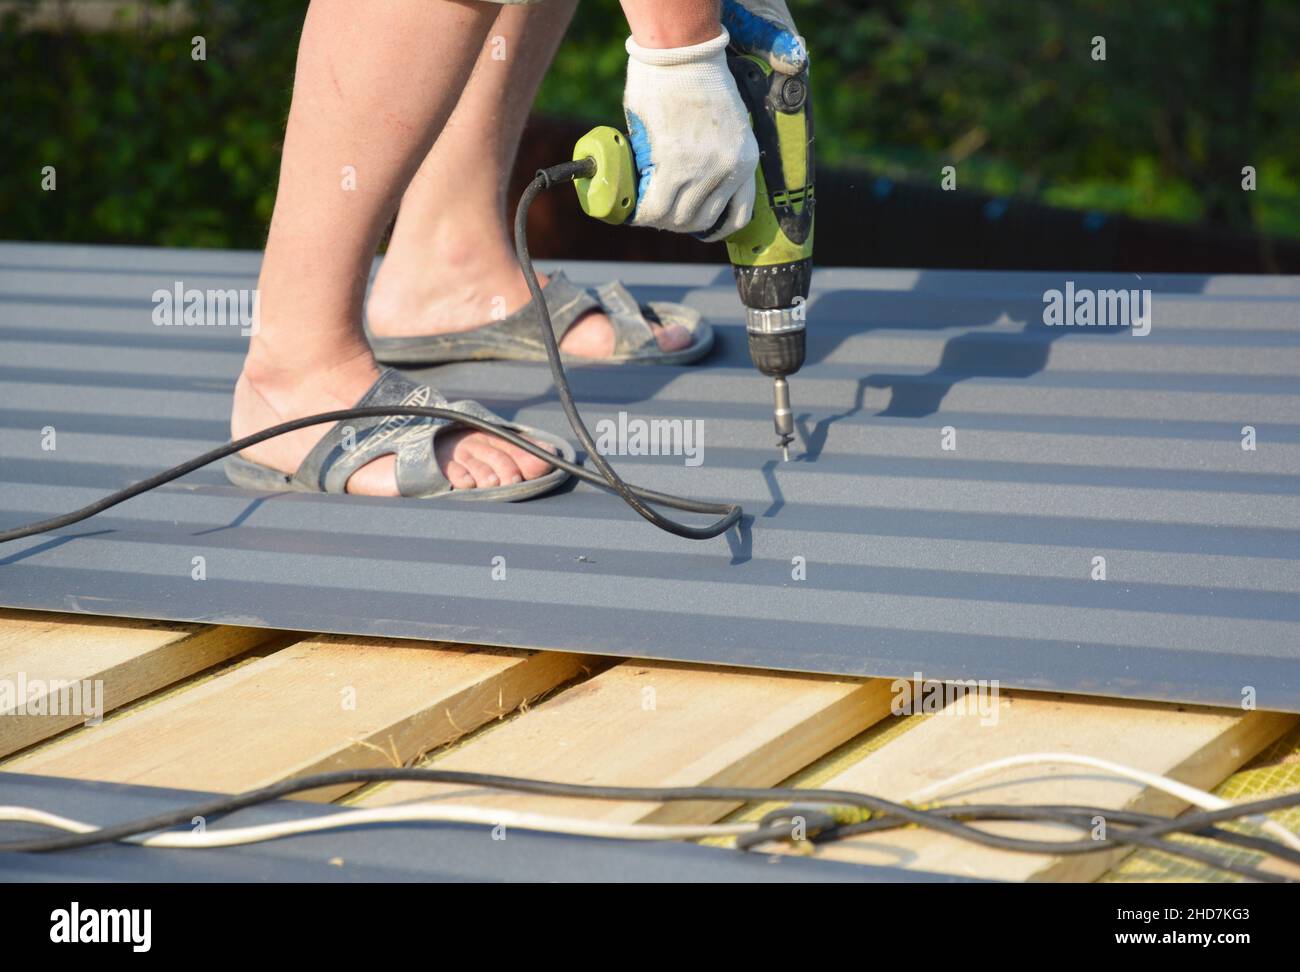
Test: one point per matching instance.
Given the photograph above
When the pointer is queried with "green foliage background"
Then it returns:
(151, 146)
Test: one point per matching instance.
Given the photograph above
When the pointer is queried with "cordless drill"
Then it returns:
(772, 255)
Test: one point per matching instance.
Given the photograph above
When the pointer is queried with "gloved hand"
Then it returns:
(766, 29)
(691, 139)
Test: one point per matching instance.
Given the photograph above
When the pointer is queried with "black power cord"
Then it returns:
(636, 497)
(885, 814)
(822, 829)
(555, 175)
(275, 791)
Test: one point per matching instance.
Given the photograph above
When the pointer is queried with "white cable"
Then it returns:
(429, 811)
(423, 811)
(1183, 791)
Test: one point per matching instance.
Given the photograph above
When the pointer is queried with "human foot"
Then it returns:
(413, 299)
(267, 395)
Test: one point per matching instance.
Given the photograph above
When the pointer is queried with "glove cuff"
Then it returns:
(671, 56)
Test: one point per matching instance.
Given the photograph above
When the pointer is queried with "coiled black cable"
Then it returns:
(1142, 829)
(731, 514)
(636, 497)
(1134, 829)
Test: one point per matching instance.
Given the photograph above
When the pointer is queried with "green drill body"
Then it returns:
(771, 256)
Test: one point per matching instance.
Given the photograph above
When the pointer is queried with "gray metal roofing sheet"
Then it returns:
(973, 563)
(425, 852)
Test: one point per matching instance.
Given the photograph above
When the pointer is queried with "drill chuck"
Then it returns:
(778, 352)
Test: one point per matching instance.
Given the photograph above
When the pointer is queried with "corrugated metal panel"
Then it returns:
(972, 563)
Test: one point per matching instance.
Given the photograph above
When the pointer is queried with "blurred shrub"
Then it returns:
(152, 146)
(1009, 92)
(149, 145)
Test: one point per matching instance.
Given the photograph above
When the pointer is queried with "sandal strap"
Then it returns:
(565, 301)
(417, 467)
(352, 443)
(632, 331)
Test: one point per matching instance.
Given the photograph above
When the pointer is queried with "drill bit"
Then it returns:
(782, 417)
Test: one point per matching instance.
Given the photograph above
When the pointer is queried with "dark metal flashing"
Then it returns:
(975, 562)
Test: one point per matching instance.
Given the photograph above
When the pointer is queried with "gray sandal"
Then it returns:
(411, 438)
(516, 337)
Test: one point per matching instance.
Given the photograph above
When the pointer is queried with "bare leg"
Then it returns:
(451, 260)
(372, 91)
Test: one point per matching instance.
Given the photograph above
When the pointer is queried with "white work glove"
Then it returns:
(690, 133)
(765, 29)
